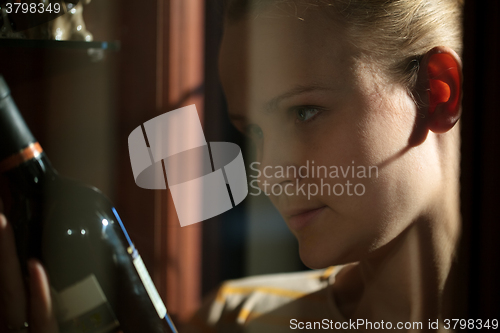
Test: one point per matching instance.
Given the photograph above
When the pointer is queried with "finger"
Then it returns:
(12, 292)
(42, 314)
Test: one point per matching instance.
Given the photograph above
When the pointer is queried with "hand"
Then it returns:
(18, 305)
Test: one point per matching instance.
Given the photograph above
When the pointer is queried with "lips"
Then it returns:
(300, 218)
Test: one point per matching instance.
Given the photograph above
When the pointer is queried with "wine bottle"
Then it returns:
(98, 280)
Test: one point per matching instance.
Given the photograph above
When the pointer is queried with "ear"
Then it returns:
(439, 86)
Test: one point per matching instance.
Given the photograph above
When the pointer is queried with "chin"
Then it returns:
(314, 263)
(316, 256)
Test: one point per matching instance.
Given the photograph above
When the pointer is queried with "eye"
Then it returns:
(254, 132)
(305, 113)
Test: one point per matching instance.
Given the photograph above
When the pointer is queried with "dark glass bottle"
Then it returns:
(98, 280)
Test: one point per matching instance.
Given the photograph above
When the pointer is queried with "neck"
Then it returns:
(405, 280)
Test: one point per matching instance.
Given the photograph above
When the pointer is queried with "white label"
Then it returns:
(83, 307)
(150, 287)
(80, 298)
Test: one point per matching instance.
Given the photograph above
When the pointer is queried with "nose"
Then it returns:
(279, 160)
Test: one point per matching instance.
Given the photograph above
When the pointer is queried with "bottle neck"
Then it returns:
(15, 135)
(33, 150)
(28, 169)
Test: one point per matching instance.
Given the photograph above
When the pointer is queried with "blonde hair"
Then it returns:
(394, 33)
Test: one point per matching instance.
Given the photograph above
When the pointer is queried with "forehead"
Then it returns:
(272, 52)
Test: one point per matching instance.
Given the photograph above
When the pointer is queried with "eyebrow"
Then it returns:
(296, 90)
(274, 103)
(237, 117)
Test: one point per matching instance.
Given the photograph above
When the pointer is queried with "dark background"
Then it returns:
(480, 157)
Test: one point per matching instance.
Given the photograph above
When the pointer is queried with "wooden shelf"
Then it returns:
(56, 44)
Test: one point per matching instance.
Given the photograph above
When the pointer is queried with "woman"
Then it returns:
(372, 85)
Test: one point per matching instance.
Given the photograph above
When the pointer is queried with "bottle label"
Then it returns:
(150, 287)
(83, 308)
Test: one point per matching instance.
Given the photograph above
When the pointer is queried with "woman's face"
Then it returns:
(306, 97)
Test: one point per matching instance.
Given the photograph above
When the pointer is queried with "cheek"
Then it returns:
(385, 126)
(378, 142)
(394, 195)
